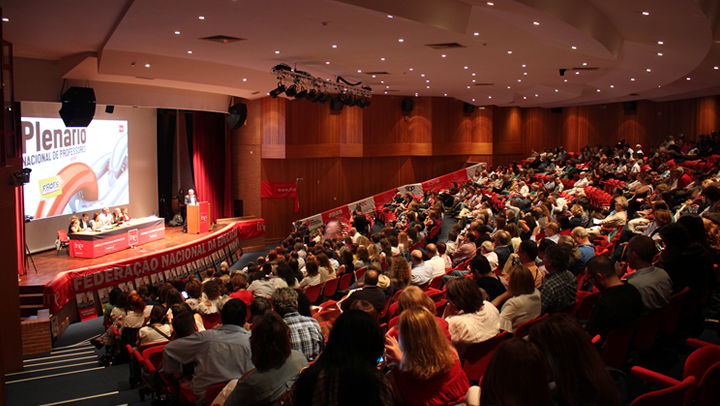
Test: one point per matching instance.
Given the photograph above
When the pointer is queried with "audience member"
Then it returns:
(477, 319)
(560, 287)
(306, 335)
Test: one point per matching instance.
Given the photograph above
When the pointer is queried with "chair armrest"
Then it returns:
(654, 377)
(695, 343)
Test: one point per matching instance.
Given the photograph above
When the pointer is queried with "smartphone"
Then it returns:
(381, 359)
(185, 295)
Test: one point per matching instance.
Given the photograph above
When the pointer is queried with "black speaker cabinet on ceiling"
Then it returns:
(237, 115)
(407, 105)
(468, 108)
(78, 106)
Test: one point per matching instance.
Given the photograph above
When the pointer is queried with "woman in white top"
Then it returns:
(313, 277)
(477, 320)
(325, 269)
(211, 299)
(138, 316)
(523, 300)
(158, 330)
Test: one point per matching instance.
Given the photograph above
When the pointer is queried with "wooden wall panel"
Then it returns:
(384, 121)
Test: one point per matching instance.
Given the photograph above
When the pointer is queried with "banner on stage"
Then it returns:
(280, 190)
(204, 255)
(384, 198)
(366, 205)
(414, 189)
(341, 214)
(475, 168)
(86, 305)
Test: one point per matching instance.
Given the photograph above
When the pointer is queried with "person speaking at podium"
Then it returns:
(190, 198)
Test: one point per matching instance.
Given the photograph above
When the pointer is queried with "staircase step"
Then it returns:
(28, 289)
(31, 298)
(30, 310)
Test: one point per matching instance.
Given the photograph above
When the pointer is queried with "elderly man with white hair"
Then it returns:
(579, 186)
(581, 237)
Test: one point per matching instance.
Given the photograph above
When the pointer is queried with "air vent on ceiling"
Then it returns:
(376, 73)
(143, 77)
(391, 90)
(585, 68)
(484, 84)
(448, 45)
(634, 94)
(254, 92)
(223, 39)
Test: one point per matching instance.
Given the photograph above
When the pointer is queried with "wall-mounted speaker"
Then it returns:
(336, 104)
(556, 110)
(237, 115)
(468, 108)
(407, 105)
(630, 105)
(78, 106)
(109, 109)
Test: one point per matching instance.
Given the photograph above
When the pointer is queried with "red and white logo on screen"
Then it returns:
(122, 127)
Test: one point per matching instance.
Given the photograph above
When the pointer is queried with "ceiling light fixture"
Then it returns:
(359, 71)
(556, 90)
(244, 79)
(382, 59)
(659, 53)
(508, 87)
(489, 97)
(201, 17)
(632, 79)
(716, 68)
(334, 46)
(577, 73)
(687, 78)
(422, 74)
(584, 63)
(647, 70)
(465, 67)
(277, 52)
(660, 43)
(598, 90)
(509, 52)
(411, 69)
(573, 47)
(536, 23)
(327, 63)
(612, 86)
(147, 65)
(476, 34)
(5, 19)
(389, 16)
(519, 80)
(473, 99)
(489, 3)
(176, 32)
(189, 52)
(524, 65)
(645, 13)
(401, 40)
(443, 55)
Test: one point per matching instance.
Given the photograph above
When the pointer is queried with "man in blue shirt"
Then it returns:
(587, 251)
(220, 355)
(422, 273)
(305, 332)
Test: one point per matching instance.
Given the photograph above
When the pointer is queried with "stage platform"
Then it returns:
(49, 264)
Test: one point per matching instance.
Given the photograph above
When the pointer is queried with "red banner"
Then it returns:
(340, 213)
(434, 185)
(457, 176)
(384, 198)
(280, 190)
(190, 257)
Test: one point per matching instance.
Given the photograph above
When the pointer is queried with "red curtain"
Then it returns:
(211, 163)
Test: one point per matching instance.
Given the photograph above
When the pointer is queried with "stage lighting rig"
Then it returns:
(301, 85)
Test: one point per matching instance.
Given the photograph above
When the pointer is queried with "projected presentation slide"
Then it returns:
(74, 169)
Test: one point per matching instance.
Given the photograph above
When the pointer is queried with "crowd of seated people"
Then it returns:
(628, 227)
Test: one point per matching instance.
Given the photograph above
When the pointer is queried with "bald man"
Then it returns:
(422, 272)
(434, 260)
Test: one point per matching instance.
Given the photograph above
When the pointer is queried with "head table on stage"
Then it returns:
(94, 244)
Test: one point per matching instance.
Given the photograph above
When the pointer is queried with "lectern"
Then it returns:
(198, 218)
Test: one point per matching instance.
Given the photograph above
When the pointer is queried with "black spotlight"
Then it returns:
(326, 98)
(301, 94)
(364, 103)
(291, 91)
(318, 97)
(562, 72)
(347, 100)
(277, 91)
(311, 95)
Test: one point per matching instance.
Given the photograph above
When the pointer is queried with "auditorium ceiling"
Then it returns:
(499, 52)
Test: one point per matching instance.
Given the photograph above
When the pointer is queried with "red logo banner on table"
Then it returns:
(384, 198)
(66, 285)
(340, 213)
(280, 190)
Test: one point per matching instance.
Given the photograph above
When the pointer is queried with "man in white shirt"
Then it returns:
(105, 217)
(354, 235)
(422, 273)
(579, 186)
(451, 244)
(487, 249)
(435, 261)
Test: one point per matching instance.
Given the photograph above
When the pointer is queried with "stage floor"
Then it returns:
(49, 264)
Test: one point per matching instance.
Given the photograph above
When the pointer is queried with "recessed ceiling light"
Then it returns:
(509, 52)
(5, 19)
(443, 55)
(660, 42)
(556, 90)
(612, 86)
(428, 87)
(176, 32)
(382, 59)
(598, 90)
(536, 23)
(565, 80)
(334, 46)
(327, 63)
(508, 87)
(659, 53)
(201, 17)
(584, 63)
(687, 78)
(647, 70)
(658, 85)
(573, 47)
(385, 92)
(387, 87)
(717, 67)
(468, 87)
(577, 73)
(465, 67)
(473, 80)
(645, 13)
(389, 16)
(524, 65)
(536, 95)
(374, 76)
(244, 79)
(445, 94)
(519, 80)
(277, 52)
(411, 69)
(416, 94)
(421, 75)
(632, 79)
(473, 99)
(473, 74)
(489, 3)
(189, 52)
(147, 65)
(476, 34)
(427, 81)
(382, 82)
(525, 73)
(359, 71)
(524, 98)
(489, 97)
(401, 40)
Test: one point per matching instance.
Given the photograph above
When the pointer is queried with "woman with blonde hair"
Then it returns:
(403, 242)
(400, 272)
(429, 371)
(411, 297)
(325, 268)
(523, 300)
(374, 253)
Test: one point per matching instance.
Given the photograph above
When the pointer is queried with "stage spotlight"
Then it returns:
(325, 98)
(291, 91)
(312, 94)
(562, 72)
(346, 100)
(301, 94)
(364, 103)
(277, 91)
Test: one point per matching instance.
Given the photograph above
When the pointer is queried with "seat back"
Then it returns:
(435, 294)
(585, 304)
(616, 346)
(671, 312)
(63, 236)
(708, 392)
(211, 320)
(327, 315)
(478, 355)
(386, 308)
(436, 282)
(331, 287)
(212, 393)
(397, 295)
(345, 281)
(524, 328)
(359, 273)
(672, 396)
(313, 292)
(647, 330)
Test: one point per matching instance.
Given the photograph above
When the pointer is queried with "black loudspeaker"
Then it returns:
(556, 110)
(78, 106)
(407, 105)
(630, 105)
(336, 104)
(237, 208)
(109, 109)
(468, 108)
(237, 115)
